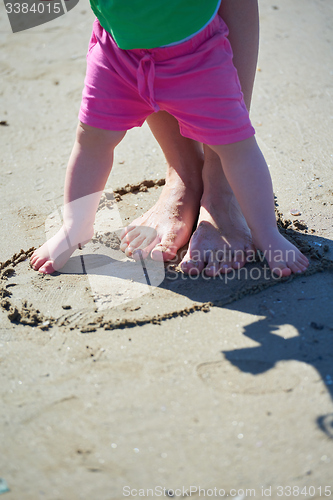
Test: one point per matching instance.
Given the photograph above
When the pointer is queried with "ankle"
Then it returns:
(184, 179)
(78, 229)
(265, 233)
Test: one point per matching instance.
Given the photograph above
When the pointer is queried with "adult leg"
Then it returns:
(222, 238)
(88, 169)
(221, 224)
(176, 210)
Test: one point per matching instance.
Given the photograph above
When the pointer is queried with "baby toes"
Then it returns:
(47, 268)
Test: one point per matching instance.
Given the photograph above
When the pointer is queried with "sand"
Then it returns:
(109, 385)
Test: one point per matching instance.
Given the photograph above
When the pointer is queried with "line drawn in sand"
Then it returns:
(113, 277)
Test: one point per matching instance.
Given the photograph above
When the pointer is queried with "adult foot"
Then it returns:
(222, 240)
(167, 226)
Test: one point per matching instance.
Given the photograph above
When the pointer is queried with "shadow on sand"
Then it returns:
(313, 323)
(311, 296)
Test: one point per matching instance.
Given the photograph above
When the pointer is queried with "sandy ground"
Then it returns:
(107, 383)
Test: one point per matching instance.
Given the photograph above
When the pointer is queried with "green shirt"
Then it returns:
(145, 24)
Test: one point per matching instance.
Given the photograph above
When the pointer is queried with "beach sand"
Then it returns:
(109, 385)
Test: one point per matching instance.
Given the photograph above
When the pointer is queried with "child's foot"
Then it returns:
(54, 254)
(282, 256)
(167, 226)
(222, 240)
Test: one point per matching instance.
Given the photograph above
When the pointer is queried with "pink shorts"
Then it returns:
(195, 81)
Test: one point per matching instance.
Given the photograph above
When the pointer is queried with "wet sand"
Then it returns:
(107, 382)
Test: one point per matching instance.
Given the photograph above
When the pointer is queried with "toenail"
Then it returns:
(192, 262)
(161, 248)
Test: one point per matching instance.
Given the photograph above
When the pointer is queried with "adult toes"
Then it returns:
(123, 245)
(140, 238)
(226, 265)
(213, 266)
(166, 249)
(126, 238)
(136, 243)
(250, 253)
(191, 266)
(239, 260)
(212, 269)
(126, 231)
(143, 250)
(163, 252)
(138, 253)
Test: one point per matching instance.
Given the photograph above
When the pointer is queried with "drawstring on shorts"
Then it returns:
(145, 78)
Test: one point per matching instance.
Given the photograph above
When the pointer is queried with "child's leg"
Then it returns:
(249, 177)
(87, 172)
